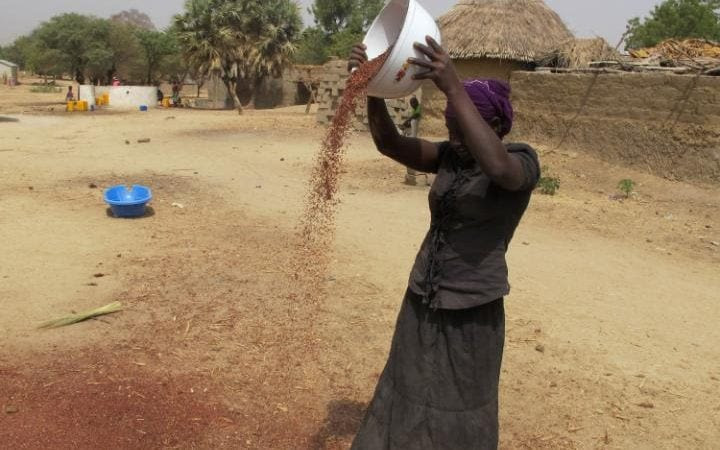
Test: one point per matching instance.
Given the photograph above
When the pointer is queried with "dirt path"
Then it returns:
(612, 341)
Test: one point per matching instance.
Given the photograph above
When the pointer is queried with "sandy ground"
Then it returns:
(612, 323)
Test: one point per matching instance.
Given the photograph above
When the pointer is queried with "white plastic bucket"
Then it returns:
(401, 24)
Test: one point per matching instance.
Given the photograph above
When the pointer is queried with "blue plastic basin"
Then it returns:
(128, 202)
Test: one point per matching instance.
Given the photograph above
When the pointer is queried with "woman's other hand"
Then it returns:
(438, 67)
(358, 57)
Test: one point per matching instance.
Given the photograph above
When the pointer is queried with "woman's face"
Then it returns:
(456, 134)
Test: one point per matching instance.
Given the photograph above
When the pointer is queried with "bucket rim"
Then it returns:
(140, 201)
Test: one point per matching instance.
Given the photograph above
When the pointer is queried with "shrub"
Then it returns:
(627, 187)
(547, 184)
(46, 90)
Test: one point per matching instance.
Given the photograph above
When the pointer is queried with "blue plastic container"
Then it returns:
(128, 202)
(143, 108)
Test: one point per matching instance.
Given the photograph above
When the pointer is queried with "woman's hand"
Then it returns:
(358, 57)
(440, 68)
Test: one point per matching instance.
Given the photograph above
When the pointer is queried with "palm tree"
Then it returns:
(275, 45)
(209, 44)
(241, 41)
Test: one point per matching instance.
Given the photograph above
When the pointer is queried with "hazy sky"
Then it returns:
(605, 18)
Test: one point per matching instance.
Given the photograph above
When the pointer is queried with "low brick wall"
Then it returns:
(332, 86)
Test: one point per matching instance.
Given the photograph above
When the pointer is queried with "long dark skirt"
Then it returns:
(439, 389)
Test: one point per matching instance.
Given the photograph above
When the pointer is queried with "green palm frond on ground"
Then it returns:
(76, 318)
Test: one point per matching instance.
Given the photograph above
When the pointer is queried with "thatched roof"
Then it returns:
(579, 53)
(519, 30)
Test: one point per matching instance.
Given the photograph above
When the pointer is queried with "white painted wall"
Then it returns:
(87, 93)
(100, 90)
(132, 97)
(9, 72)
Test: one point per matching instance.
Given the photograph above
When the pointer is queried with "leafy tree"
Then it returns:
(331, 16)
(45, 62)
(341, 24)
(100, 62)
(312, 48)
(156, 47)
(130, 56)
(75, 38)
(334, 16)
(675, 19)
(134, 18)
(128, 62)
(342, 42)
(98, 49)
(17, 51)
(174, 66)
(89, 47)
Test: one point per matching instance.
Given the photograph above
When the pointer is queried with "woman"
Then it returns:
(439, 389)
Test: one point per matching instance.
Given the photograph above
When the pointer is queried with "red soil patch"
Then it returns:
(74, 404)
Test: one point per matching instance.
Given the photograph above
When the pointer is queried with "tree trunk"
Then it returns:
(236, 99)
(231, 86)
(200, 83)
(151, 66)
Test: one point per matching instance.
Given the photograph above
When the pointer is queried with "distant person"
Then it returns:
(116, 81)
(412, 130)
(70, 96)
(160, 95)
(416, 116)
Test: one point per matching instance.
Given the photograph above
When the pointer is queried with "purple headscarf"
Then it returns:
(492, 99)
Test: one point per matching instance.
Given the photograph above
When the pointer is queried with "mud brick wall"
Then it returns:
(664, 124)
(330, 93)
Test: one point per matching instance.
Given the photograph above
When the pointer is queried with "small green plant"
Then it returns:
(46, 90)
(548, 185)
(627, 187)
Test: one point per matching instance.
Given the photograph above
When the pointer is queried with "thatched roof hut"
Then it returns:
(515, 30)
(579, 53)
(492, 39)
